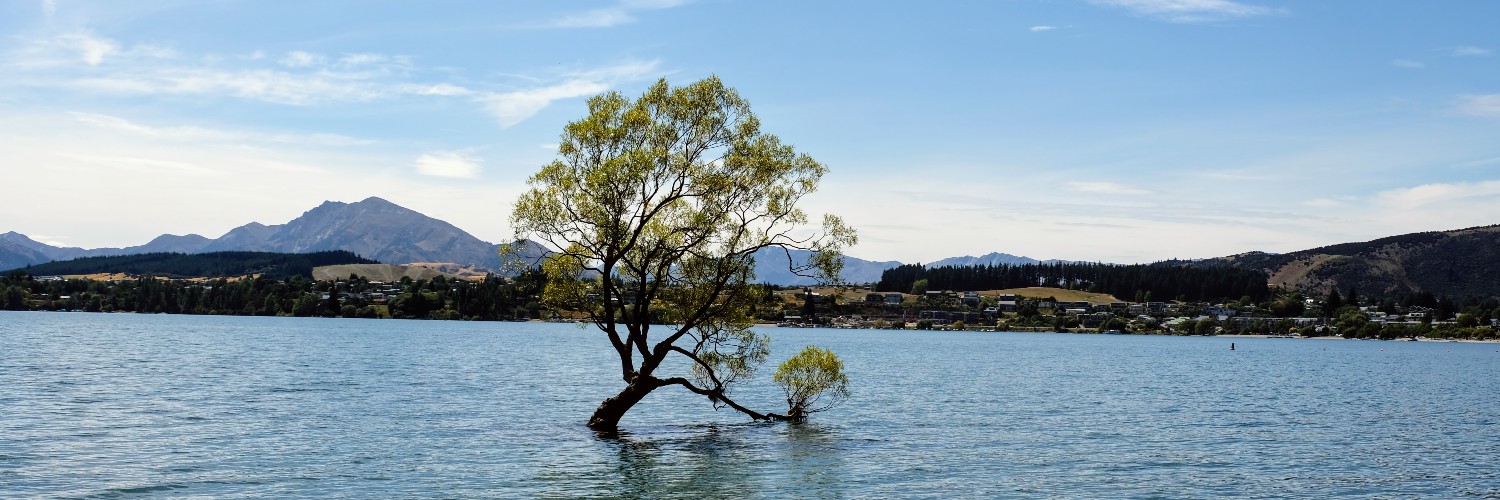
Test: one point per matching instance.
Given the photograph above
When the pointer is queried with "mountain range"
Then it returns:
(373, 228)
(1459, 263)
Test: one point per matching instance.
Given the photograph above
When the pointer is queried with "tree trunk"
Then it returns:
(606, 418)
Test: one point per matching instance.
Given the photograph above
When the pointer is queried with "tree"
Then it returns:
(659, 204)
(1332, 303)
(813, 380)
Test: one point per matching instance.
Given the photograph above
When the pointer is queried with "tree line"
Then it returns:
(171, 264)
(1158, 282)
(492, 298)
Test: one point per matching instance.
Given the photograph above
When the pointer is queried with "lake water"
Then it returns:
(127, 405)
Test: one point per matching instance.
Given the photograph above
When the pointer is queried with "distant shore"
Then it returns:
(1471, 341)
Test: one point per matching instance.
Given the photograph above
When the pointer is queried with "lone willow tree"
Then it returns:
(658, 208)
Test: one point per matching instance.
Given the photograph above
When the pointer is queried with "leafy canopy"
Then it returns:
(813, 380)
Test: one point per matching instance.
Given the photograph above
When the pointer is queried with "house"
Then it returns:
(893, 299)
(971, 299)
(874, 298)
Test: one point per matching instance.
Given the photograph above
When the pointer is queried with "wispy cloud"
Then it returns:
(1480, 105)
(1469, 51)
(453, 164)
(92, 63)
(1106, 188)
(49, 7)
(1191, 11)
(73, 48)
(618, 14)
(513, 107)
(1042, 28)
(202, 134)
(1407, 64)
(1482, 162)
(1428, 194)
(300, 59)
(151, 166)
(1328, 202)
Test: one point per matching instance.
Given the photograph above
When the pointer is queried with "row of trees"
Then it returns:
(492, 298)
(172, 264)
(1192, 284)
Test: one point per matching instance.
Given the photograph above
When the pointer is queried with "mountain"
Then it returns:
(773, 266)
(989, 259)
(1459, 263)
(171, 243)
(373, 228)
(252, 237)
(16, 252)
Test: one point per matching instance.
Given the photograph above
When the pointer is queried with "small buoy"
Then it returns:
(1231, 346)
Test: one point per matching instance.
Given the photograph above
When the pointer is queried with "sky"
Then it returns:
(1116, 131)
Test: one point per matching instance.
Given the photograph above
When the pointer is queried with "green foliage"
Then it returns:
(918, 287)
(813, 381)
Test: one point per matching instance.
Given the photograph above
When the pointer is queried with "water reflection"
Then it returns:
(727, 461)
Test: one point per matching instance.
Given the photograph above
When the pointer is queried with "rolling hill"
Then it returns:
(1459, 263)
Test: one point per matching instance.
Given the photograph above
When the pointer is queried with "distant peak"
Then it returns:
(376, 200)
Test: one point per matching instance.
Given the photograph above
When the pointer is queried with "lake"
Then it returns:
(129, 405)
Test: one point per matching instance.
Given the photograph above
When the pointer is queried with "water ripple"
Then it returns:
(116, 405)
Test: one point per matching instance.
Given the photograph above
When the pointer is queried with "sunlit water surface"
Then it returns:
(114, 405)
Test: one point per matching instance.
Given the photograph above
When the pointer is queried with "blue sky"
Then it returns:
(1108, 130)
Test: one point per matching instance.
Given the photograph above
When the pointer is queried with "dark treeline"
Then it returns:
(492, 298)
(178, 265)
(1159, 282)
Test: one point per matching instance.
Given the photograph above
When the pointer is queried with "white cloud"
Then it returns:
(1470, 51)
(515, 107)
(150, 166)
(511, 108)
(200, 134)
(448, 164)
(263, 85)
(300, 59)
(616, 15)
(1191, 11)
(91, 48)
(298, 78)
(1407, 64)
(1430, 194)
(49, 7)
(1106, 188)
(1327, 202)
(1038, 29)
(1480, 105)
(598, 18)
(361, 59)
(440, 89)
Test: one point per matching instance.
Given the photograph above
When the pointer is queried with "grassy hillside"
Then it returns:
(1461, 263)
